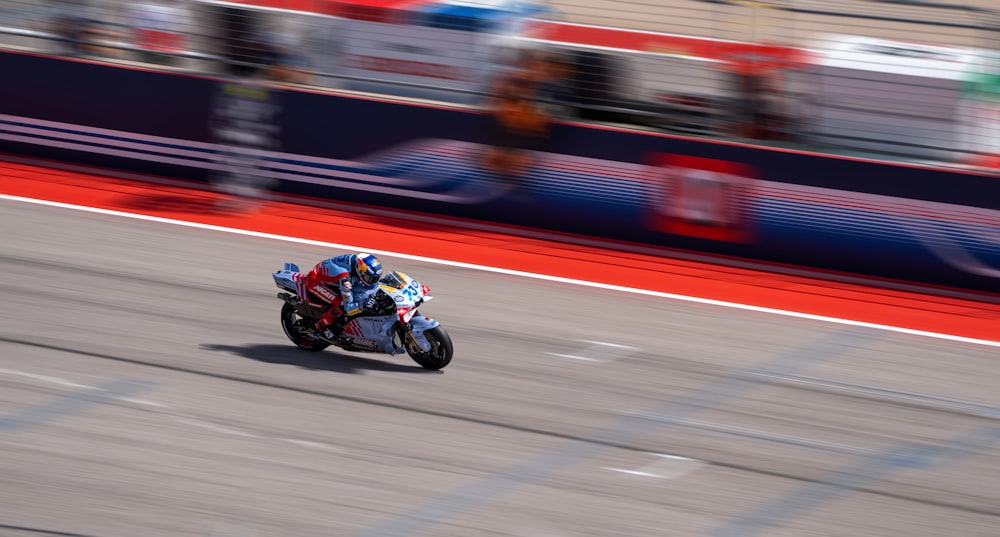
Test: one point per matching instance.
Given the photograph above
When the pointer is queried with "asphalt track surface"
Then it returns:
(147, 390)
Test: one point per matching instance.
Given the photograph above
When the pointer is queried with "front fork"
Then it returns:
(413, 333)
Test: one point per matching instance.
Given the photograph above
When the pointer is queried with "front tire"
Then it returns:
(296, 328)
(440, 353)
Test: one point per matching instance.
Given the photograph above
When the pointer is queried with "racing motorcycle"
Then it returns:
(389, 324)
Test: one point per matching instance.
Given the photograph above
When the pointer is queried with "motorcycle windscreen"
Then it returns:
(394, 280)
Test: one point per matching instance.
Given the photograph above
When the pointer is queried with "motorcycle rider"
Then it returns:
(353, 275)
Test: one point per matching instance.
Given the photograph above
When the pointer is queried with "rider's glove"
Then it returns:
(369, 303)
(352, 308)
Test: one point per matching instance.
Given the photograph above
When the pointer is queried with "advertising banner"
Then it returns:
(911, 223)
(702, 197)
(418, 57)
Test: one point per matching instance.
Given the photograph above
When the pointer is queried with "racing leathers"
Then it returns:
(340, 285)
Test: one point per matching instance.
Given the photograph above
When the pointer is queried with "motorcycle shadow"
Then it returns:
(328, 360)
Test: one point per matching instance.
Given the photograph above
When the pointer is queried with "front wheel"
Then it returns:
(440, 353)
(297, 327)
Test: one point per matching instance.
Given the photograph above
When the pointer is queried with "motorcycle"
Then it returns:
(390, 324)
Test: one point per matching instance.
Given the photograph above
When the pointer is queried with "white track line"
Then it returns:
(45, 378)
(668, 467)
(571, 281)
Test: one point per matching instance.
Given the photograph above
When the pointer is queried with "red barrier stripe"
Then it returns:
(438, 239)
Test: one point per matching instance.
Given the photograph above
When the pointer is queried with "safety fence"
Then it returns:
(905, 79)
(639, 189)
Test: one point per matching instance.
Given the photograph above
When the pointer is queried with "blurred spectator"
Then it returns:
(761, 112)
(158, 30)
(77, 27)
(555, 86)
(519, 122)
(244, 46)
(596, 86)
(286, 64)
(290, 68)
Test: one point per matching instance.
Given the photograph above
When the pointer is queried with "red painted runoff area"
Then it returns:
(437, 238)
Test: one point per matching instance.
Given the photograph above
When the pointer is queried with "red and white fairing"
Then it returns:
(376, 331)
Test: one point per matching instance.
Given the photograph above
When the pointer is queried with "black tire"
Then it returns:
(296, 328)
(440, 353)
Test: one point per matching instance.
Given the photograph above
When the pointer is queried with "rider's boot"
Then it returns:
(327, 325)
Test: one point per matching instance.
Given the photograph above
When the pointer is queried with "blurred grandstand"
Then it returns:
(907, 79)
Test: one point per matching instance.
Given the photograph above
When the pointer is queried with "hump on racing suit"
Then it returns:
(343, 271)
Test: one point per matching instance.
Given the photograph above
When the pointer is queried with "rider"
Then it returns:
(353, 276)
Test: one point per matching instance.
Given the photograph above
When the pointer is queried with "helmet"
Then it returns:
(368, 268)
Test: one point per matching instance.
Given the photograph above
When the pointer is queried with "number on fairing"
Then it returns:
(410, 291)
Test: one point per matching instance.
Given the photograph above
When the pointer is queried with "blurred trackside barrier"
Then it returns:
(904, 79)
(876, 218)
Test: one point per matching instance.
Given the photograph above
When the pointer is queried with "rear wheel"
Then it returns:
(298, 328)
(440, 353)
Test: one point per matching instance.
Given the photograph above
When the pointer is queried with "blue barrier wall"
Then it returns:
(902, 222)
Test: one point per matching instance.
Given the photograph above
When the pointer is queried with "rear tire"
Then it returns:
(440, 353)
(297, 328)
